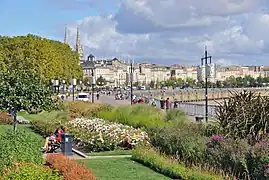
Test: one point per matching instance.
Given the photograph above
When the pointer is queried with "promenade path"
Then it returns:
(104, 99)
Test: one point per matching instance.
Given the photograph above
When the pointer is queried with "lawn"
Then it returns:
(111, 153)
(53, 115)
(24, 127)
(5, 128)
(121, 169)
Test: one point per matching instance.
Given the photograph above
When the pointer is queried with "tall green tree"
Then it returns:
(190, 81)
(46, 58)
(23, 90)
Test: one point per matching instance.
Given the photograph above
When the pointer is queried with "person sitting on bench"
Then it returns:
(54, 138)
(58, 133)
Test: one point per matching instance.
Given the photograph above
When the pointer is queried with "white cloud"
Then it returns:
(179, 29)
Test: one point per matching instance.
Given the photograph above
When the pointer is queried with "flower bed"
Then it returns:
(103, 135)
(31, 171)
(68, 168)
(5, 118)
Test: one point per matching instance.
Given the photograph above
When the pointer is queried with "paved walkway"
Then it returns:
(78, 157)
(104, 99)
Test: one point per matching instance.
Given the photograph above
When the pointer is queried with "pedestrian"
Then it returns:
(97, 96)
(153, 103)
(175, 105)
(167, 103)
(162, 103)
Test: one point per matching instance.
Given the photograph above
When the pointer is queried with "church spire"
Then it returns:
(65, 34)
(78, 46)
(77, 40)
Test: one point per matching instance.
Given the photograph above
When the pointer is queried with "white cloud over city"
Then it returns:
(176, 31)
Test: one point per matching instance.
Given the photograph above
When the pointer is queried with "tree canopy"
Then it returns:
(46, 58)
(230, 82)
(24, 90)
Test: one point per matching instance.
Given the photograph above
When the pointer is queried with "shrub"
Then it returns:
(31, 171)
(79, 109)
(185, 144)
(19, 147)
(5, 118)
(68, 168)
(138, 116)
(45, 128)
(101, 135)
(244, 114)
(176, 115)
(258, 161)
(45, 123)
(229, 155)
(169, 167)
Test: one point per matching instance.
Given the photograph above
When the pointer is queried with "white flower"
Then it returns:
(110, 131)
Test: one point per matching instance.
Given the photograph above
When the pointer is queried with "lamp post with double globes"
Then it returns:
(73, 83)
(55, 83)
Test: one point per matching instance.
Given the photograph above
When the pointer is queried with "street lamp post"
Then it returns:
(13, 112)
(73, 83)
(131, 81)
(81, 86)
(63, 82)
(205, 63)
(56, 85)
(92, 83)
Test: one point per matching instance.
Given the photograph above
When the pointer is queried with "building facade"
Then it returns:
(117, 72)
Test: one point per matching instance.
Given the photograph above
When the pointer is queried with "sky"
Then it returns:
(158, 31)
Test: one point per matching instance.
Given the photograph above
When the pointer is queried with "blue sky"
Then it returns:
(42, 17)
(166, 32)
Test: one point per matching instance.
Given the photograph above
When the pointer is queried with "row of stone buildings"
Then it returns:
(117, 72)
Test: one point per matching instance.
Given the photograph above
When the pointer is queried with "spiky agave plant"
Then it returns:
(245, 114)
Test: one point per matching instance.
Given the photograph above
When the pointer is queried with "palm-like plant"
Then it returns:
(245, 114)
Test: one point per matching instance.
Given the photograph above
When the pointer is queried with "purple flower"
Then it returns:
(266, 171)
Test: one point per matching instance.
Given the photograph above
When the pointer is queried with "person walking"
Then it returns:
(162, 101)
(167, 104)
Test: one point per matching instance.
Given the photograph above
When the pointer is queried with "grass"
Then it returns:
(5, 128)
(111, 153)
(121, 169)
(24, 127)
(53, 115)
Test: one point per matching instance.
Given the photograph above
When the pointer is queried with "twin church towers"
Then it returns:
(78, 47)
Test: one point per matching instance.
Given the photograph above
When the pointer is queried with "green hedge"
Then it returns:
(142, 116)
(184, 143)
(29, 171)
(21, 146)
(163, 164)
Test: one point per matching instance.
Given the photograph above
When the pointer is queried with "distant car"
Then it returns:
(143, 87)
(83, 97)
